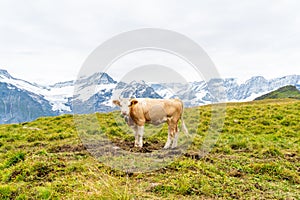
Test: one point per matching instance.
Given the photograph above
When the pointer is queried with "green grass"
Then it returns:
(288, 91)
(256, 157)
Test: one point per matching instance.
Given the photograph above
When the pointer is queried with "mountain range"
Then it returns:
(22, 101)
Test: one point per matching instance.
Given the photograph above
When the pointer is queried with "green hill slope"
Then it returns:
(289, 91)
(256, 156)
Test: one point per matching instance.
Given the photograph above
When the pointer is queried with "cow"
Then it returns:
(139, 111)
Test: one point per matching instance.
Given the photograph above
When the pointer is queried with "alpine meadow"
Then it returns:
(257, 156)
(137, 100)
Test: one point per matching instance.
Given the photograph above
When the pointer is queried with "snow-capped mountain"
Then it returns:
(21, 100)
(136, 89)
(93, 93)
(96, 96)
(199, 93)
(56, 95)
(18, 105)
(257, 86)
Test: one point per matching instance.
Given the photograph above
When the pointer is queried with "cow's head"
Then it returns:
(125, 104)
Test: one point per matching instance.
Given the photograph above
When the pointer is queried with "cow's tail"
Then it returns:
(183, 126)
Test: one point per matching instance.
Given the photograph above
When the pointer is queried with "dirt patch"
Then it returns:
(67, 148)
(128, 146)
(292, 157)
(194, 155)
(148, 147)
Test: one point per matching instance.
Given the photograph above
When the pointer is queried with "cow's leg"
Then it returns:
(169, 140)
(174, 144)
(136, 136)
(140, 135)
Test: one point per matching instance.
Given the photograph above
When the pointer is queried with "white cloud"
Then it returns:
(46, 42)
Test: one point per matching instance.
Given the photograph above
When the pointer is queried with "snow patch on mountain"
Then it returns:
(58, 97)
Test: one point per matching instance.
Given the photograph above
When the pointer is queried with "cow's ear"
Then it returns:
(116, 102)
(133, 102)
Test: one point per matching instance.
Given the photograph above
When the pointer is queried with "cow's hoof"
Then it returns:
(138, 146)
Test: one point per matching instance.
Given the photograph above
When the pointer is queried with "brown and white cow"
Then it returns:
(138, 111)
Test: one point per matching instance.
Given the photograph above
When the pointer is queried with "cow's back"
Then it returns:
(159, 110)
(156, 111)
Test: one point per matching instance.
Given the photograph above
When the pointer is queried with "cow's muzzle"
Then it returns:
(124, 114)
(128, 120)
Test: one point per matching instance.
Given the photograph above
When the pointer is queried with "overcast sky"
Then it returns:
(48, 41)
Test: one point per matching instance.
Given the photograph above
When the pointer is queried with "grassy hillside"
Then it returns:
(289, 91)
(256, 156)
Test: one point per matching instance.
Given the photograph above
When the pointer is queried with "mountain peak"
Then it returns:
(4, 73)
(96, 79)
(258, 78)
(105, 78)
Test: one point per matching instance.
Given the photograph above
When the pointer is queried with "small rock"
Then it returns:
(236, 121)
